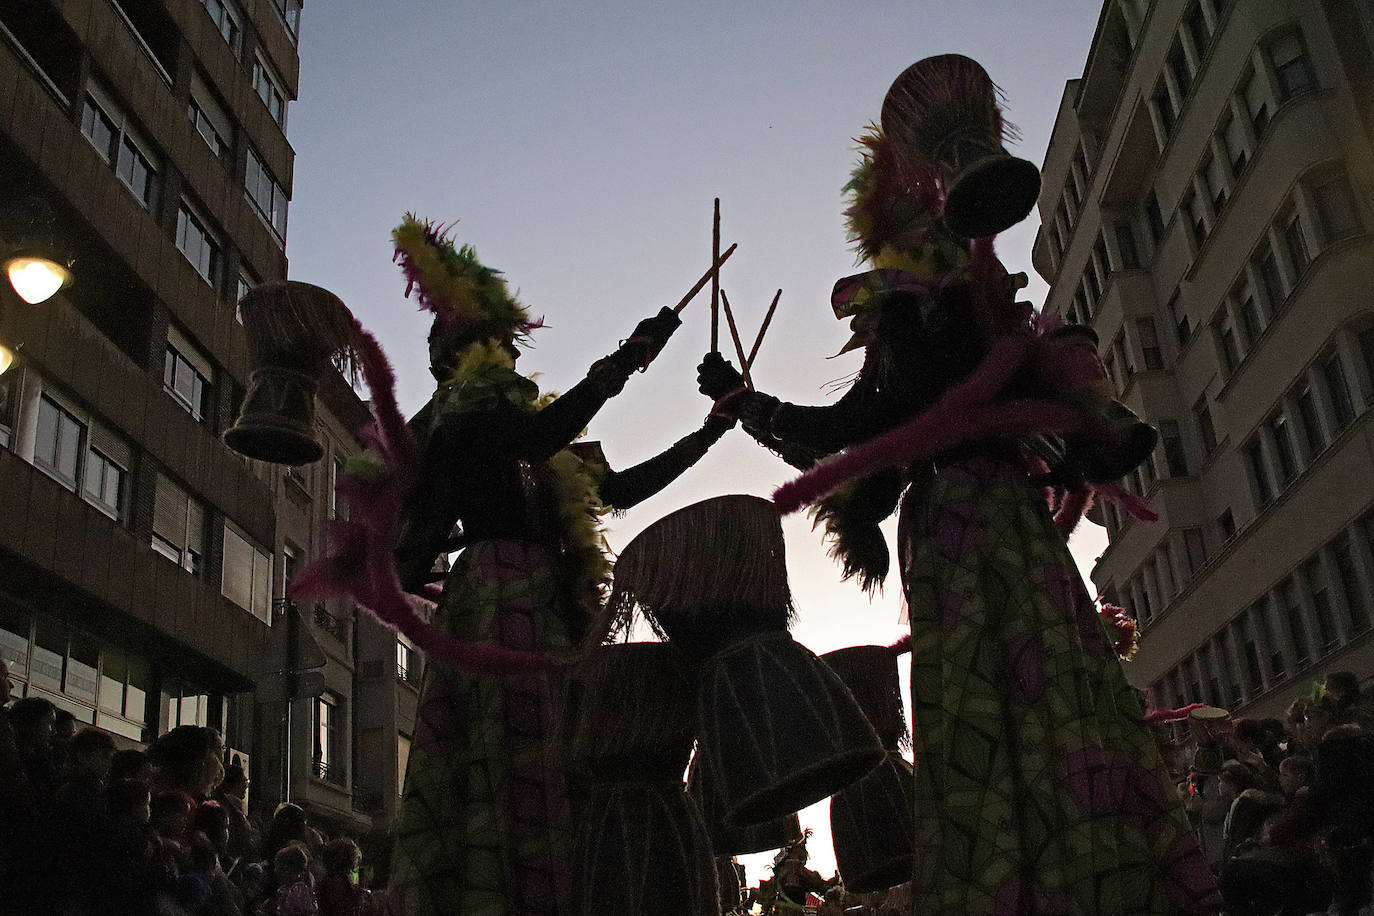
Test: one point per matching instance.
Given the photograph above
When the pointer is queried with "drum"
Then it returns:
(781, 730)
(943, 113)
(641, 850)
(640, 847)
(707, 574)
(872, 827)
(735, 841)
(871, 822)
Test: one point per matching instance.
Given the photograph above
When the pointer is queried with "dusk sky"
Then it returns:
(580, 146)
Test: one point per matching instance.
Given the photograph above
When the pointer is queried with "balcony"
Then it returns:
(336, 627)
(330, 773)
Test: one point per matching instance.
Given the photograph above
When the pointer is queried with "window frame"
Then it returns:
(189, 217)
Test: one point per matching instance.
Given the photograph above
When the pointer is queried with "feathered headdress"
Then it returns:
(467, 297)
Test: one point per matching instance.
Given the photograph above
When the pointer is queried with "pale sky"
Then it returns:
(580, 146)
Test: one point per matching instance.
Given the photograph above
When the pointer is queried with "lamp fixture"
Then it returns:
(36, 266)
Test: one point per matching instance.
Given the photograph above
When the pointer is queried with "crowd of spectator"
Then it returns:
(87, 829)
(1285, 809)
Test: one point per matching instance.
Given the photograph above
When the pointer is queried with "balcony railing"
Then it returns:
(336, 627)
(331, 773)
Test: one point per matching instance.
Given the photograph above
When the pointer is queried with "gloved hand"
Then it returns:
(650, 335)
(717, 425)
(609, 373)
(716, 377)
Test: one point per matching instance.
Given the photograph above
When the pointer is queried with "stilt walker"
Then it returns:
(1039, 788)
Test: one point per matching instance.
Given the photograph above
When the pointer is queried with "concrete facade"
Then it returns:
(1207, 207)
(142, 563)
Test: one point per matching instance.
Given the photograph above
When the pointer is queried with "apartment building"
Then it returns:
(1207, 208)
(142, 563)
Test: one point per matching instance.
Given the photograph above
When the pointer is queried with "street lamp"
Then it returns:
(35, 264)
(36, 275)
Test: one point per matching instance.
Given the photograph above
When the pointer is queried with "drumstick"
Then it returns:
(715, 278)
(763, 328)
(691, 293)
(734, 335)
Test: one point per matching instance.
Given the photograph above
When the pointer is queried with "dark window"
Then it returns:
(199, 246)
(135, 170)
(268, 196)
(58, 445)
(1250, 320)
(1342, 408)
(1357, 612)
(1149, 343)
(1315, 578)
(1335, 201)
(1310, 422)
(1291, 67)
(1226, 524)
(1182, 326)
(1125, 247)
(1297, 246)
(1257, 103)
(1268, 267)
(1155, 217)
(1293, 616)
(1165, 105)
(105, 482)
(1236, 146)
(1175, 457)
(182, 380)
(1260, 611)
(1259, 474)
(1206, 431)
(226, 21)
(1283, 448)
(218, 144)
(100, 129)
(1254, 674)
(9, 395)
(1178, 66)
(1230, 351)
(1196, 23)
(152, 23)
(43, 32)
(1197, 219)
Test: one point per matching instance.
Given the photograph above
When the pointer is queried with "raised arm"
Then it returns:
(627, 488)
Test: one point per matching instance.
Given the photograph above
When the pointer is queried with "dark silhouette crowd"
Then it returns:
(87, 829)
(1285, 809)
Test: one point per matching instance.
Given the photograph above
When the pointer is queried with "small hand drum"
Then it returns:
(735, 841)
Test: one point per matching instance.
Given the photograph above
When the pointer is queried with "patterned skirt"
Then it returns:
(1039, 788)
(484, 826)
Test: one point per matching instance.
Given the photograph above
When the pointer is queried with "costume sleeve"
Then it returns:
(627, 488)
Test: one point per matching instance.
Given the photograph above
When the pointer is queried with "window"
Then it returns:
(185, 706)
(178, 526)
(9, 395)
(246, 578)
(1251, 321)
(268, 86)
(1175, 458)
(1283, 448)
(186, 375)
(336, 470)
(1209, 671)
(1259, 474)
(1149, 343)
(1254, 674)
(407, 667)
(1267, 266)
(1182, 327)
(1197, 218)
(59, 442)
(1310, 422)
(1092, 286)
(109, 131)
(1296, 243)
(1206, 431)
(268, 197)
(1335, 202)
(1237, 147)
(1291, 611)
(402, 762)
(1291, 67)
(1155, 217)
(1164, 105)
(1214, 176)
(1343, 557)
(199, 246)
(1178, 66)
(1314, 577)
(1226, 524)
(1126, 247)
(48, 43)
(1196, 24)
(156, 30)
(227, 20)
(1101, 265)
(1260, 612)
(210, 119)
(1226, 337)
(328, 724)
(1342, 408)
(124, 685)
(291, 14)
(1256, 94)
(105, 483)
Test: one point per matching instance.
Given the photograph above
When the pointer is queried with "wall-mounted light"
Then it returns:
(36, 275)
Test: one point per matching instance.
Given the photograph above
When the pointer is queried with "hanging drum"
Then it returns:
(735, 841)
(293, 329)
(780, 730)
(640, 848)
(943, 113)
(872, 822)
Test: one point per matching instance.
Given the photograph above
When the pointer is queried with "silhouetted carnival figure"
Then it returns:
(1039, 788)
(488, 469)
